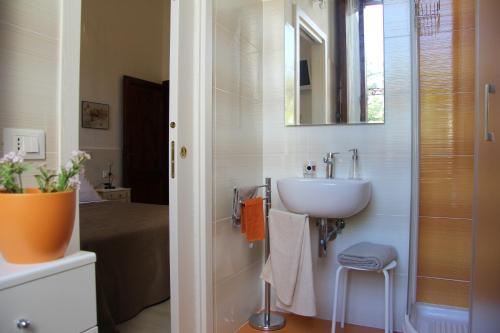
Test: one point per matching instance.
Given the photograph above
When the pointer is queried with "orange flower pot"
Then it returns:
(36, 227)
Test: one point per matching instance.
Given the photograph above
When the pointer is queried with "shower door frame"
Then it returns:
(415, 179)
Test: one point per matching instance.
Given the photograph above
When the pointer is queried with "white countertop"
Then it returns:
(12, 274)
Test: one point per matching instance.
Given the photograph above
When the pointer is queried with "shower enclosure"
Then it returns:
(454, 285)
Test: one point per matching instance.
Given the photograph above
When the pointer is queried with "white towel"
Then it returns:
(367, 255)
(289, 267)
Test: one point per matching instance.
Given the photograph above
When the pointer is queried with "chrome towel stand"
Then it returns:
(267, 321)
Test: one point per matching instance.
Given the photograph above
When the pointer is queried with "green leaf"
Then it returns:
(41, 183)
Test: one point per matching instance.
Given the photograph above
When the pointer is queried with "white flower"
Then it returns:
(80, 155)
(74, 183)
(8, 157)
(18, 159)
(13, 157)
(68, 166)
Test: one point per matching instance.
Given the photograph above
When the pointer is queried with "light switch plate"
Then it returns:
(31, 141)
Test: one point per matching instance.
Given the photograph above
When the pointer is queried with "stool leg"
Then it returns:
(344, 296)
(387, 306)
(335, 299)
(391, 299)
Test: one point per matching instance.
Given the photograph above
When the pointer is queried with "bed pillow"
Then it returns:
(87, 192)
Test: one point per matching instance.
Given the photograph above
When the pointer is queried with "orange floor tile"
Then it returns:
(298, 324)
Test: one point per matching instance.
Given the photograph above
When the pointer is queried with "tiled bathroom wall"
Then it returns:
(251, 142)
(237, 156)
(29, 60)
(385, 158)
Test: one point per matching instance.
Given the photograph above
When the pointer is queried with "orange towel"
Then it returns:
(252, 219)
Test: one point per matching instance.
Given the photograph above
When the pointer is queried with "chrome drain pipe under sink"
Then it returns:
(328, 231)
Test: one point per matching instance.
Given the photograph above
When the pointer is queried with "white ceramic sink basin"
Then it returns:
(325, 198)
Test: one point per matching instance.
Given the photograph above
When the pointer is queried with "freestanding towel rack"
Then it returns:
(267, 321)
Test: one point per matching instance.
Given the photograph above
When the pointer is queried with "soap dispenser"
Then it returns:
(355, 172)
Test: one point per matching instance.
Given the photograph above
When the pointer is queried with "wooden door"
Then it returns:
(145, 140)
(485, 299)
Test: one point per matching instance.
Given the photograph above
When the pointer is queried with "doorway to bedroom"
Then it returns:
(124, 114)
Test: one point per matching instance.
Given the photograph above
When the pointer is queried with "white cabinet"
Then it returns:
(55, 297)
(115, 194)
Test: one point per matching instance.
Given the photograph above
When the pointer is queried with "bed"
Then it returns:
(131, 241)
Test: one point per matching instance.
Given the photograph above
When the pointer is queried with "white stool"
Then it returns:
(388, 272)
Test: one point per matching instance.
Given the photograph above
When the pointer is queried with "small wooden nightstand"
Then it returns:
(114, 194)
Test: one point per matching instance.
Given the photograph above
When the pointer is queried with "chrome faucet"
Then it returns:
(329, 159)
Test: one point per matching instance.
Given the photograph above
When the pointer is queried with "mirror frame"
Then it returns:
(303, 21)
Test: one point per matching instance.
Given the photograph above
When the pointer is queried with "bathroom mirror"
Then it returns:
(334, 62)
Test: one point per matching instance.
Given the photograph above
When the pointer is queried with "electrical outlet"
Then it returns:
(29, 141)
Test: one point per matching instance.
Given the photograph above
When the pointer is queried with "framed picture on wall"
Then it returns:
(95, 115)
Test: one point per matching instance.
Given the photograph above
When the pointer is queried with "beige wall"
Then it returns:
(119, 37)
(165, 41)
(29, 64)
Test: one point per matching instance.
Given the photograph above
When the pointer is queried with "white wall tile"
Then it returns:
(251, 71)
(237, 298)
(231, 253)
(273, 25)
(227, 60)
(273, 85)
(239, 124)
(242, 17)
(233, 171)
(40, 16)
(238, 154)
(29, 56)
(398, 65)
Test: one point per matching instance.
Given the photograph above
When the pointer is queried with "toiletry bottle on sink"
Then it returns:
(354, 173)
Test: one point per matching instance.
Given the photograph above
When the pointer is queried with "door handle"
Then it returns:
(488, 90)
(172, 159)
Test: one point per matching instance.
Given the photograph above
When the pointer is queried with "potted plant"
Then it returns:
(36, 223)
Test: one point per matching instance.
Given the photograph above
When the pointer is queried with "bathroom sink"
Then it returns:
(324, 198)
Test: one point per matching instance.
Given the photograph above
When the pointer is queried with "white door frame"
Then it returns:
(191, 187)
(68, 92)
(191, 109)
